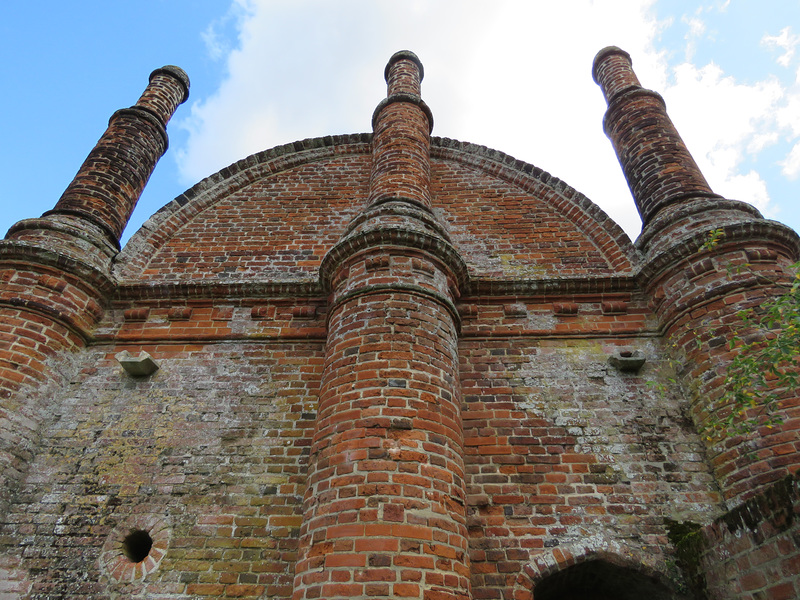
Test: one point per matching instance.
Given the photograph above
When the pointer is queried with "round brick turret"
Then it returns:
(384, 511)
(697, 294)
(55, 270)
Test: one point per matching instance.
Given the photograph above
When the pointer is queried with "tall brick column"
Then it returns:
(55, 270)
(658, 166)
(112, 177)
(694, 293)
(384, 511)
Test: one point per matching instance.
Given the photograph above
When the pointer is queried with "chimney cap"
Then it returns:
(600, 56)
(178, 74)
(401, 55)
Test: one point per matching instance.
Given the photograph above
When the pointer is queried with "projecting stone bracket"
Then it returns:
(137, 366)
(627, 361)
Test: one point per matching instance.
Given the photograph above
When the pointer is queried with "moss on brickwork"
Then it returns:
(775, 505)
(687, 539)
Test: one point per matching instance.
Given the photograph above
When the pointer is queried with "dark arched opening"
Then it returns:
(600, 580)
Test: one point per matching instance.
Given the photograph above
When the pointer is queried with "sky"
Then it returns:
(514, 75)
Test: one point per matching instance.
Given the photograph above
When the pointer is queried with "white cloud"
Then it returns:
(503, 75)
(696, 29)
(786, 41)
(791, 164)
(216, 46)
(788, 114)
(217, 37)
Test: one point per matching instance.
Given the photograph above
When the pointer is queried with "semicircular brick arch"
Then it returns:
(558, 559)
(225, 208)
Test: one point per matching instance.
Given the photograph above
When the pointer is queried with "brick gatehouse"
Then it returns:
(388, 365)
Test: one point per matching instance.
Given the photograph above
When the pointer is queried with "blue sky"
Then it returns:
(512, 75)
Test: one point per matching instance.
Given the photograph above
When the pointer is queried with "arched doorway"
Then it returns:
(601, 580)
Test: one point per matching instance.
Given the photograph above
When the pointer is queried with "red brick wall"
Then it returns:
(269, 219)
(565, 458)
(752, 551)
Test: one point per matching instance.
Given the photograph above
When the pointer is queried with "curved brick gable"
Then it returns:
(233, 222)
(274, 215)
(277, 228)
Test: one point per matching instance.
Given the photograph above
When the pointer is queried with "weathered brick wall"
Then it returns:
(55, 269)
(46, 314)
(511, 220)
(567, 457)
(750, 552)
(208, 453)
(374, 384)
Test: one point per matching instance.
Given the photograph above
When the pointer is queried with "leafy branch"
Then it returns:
(766, 363)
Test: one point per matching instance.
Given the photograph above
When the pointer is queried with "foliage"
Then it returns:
(766, 360)
(767, 356)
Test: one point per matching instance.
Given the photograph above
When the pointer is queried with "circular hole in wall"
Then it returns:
(136, 545)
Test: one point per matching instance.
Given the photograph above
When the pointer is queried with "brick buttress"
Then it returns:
(55, 271)
(384, 510)
(696, 291)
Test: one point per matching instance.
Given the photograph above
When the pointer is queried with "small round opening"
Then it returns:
(626, 353)
(136, 545)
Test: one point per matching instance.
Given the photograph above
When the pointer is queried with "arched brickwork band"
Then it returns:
(598, 569)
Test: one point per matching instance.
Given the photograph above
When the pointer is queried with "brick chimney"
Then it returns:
(697, 293)
(111, 179)
(658, 166)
